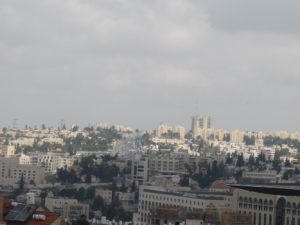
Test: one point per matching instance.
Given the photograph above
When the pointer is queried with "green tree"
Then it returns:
(276, 164)
(98, 203)
(90, 193)
(21, 187)
(80, 195)
(240, 160)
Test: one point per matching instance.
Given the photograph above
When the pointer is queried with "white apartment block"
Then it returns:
(167, 164)
(23, 142)
(12, 171)
(163, 129)
(268, 176)
(151, 198)
(7, 150)
(50, 161)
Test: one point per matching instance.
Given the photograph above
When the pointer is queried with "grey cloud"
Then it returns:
(144, 62)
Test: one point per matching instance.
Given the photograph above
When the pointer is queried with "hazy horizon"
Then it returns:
(140, 63)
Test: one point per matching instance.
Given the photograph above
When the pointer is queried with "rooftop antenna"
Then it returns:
(62, 124)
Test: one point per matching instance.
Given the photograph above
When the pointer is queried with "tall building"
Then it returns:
(202, 126)
(139, 169)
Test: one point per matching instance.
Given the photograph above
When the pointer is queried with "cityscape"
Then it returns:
(149, 112)
(106, 174)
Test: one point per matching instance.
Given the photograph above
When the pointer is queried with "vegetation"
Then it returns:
(270, 140)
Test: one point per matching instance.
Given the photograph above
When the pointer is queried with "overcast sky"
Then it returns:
(140, 63)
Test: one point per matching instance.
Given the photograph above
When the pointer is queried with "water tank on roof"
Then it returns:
(30, 198)
(39, 217)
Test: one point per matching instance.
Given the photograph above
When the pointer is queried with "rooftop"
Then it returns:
(50, 218)
(274, 189)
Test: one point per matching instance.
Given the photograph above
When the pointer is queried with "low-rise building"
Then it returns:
(153, 198)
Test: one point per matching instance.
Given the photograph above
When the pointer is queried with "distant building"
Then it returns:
(7, 150)
(70, 209)
(202, 126)
(268, 176)
(12, 171)
(140, 169)
(237, 136)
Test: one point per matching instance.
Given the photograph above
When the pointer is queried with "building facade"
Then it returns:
(157, 198)
(268, 205)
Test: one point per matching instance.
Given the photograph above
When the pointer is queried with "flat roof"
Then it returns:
(193, 195)
(275, 189)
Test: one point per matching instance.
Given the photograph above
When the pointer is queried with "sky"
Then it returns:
(141, 63)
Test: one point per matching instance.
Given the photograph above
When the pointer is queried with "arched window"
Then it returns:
(270, 219)
(271, 203)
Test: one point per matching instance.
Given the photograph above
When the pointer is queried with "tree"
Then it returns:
(287, 163)
(21, 187)
(276, 164)
(240, 160)
(189, 135)
(88, 179)
(98, 203)
(90, 193)
(249, 140)
(226, 137)
(80, 195)
(228, 159)
(251, 161)
(4, 130)
(82, 221)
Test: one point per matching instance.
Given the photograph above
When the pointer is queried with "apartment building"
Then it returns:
(12, 171)
(50, 161)
(7, 150)
(202, 126)
(140, 169)
(70, 209)
(268, 176)
(167, 164)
